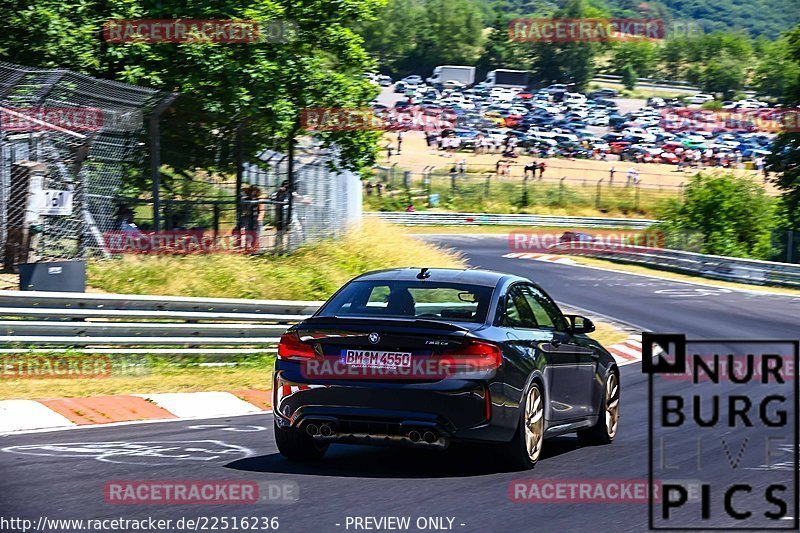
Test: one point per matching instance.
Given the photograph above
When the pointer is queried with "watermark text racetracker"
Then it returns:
(199, 30)
(564, 30)
(147, 524)
(199, 492)
(764, 119)
(735, 430)
(579, 241)
(364, 119)
(67, 366)
(75, 119)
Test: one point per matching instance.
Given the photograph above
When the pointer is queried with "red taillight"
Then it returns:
(291, 348)
(474, 356)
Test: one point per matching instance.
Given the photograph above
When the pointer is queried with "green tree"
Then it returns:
(776, 72)
(629, 77)
(417, 35)
(725, 75)
(642, 56)
(500, 51)
(265, 85)
(734, 216)
(785, 157)
(571, 62)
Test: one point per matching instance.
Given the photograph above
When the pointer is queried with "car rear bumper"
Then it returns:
(400, 413)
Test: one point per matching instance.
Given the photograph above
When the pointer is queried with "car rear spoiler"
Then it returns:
(339, 321)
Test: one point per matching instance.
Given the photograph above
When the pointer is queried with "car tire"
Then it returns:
(295, 445)
(525, 448)
(604, 431)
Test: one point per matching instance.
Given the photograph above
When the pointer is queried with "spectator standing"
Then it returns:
(630, 176)
(542, 166)
(530, 167)
(479, 146)
(611, 172)
(400, 135)
(430, 138)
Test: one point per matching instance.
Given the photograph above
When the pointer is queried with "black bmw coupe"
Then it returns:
(426, 357)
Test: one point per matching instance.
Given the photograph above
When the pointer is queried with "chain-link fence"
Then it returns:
(324, 201)
(88, 136)
(511, 188)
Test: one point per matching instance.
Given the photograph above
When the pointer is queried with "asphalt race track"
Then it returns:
(62, 474)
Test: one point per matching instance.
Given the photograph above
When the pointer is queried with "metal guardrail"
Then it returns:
(85, 301)
(649, 82)
(128, 324)
(708, 266)
(431, 218)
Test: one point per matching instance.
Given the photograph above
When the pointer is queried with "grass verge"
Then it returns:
(313, 272)
(28, 376)
(163, 379)
(607, 334)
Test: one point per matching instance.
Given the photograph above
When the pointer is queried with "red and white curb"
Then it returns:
(628, 351)
(26, 415)
(541, 257)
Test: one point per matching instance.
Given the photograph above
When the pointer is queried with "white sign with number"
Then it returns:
(54, 202)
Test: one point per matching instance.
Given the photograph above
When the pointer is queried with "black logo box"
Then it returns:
(671, 359)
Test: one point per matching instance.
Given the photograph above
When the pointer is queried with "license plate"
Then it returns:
(376, 359)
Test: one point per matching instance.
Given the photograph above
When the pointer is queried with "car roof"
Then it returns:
(486, 278)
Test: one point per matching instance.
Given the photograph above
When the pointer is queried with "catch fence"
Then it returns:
(68, 143)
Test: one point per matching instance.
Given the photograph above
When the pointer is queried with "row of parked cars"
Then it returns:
(558, 121)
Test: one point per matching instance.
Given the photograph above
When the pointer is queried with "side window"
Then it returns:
(518, 313)
(545, 311)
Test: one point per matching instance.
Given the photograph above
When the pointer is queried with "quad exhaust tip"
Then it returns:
(313, 430)
(326, 430)
(422, 437)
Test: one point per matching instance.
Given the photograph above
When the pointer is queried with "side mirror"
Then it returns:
(580, 324)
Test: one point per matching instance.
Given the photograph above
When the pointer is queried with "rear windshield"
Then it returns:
(411, 299)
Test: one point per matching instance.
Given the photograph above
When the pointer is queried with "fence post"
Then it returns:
(239, 173)
(636, 195)
(216, 219)
(561, 191)
(597, 196)
(391, 175)
(155, 156)
(486, 188)
(26, 178)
